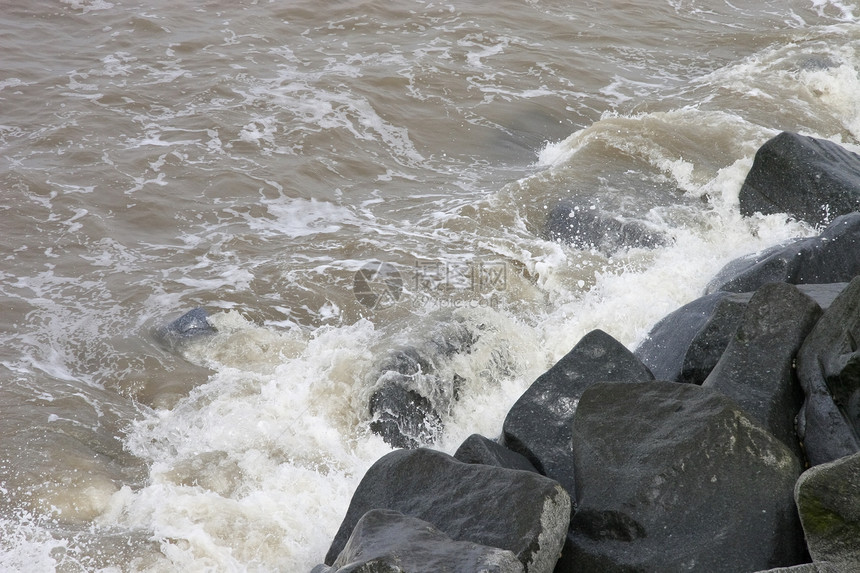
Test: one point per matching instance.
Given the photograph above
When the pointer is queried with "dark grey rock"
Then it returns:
(403, 417)
(477, 449)
(676, 477)
(415, 384)
(757, 368)
(828, 499)
(584, 225)
(538, 424)
(811, 179)
(518, 511)
(828, 366)
(386, 540)
(192, 325)
(831, 257)
(686, 344)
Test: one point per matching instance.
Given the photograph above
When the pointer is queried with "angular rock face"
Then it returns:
(586, 226)
(518, 511)
(828, 499)
(538, 424)
(675, 477)
(757, 368)
(830, 257)
(811, 179)
(385, 540)
(686, 345)
(477, 449)
(828, 366)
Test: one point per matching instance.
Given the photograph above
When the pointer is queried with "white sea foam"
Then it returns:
(86, 6)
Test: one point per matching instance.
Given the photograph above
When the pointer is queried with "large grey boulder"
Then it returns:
(518, 511)
(685, 345)
(386, 541)
(757, 368)
(811, 179)
(676, 477)
(538, 424)
(828, 366)
(831, 257)
(828, 499)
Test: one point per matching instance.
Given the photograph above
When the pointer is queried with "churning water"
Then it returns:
(251, 158)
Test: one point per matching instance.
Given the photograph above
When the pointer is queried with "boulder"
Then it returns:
(757, 368)
(414, 384)
(192, 325)
(676, 477)
(477, 449)
(685, 345)
(538, 424)
(813, 180)
(388, 541)
(584, 225)
(828, 499)
(828, 366)
(518, 511)
(401, 416)
(831, 257)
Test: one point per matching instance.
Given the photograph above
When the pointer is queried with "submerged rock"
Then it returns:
(538, 424)
(414, 385)
(828, 499)
(192, 325)
(831, 257)
(518, 511)
(401, 416)
(385, 540)
(586, 226)
(757, 368)
(828, 366)
(811, 179)
(676, 477)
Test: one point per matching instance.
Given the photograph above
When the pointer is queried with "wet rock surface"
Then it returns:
(664, 465)
(600, 467)
(538, 424)
(785, 169)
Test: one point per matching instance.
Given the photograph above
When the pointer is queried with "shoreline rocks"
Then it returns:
(518, 511)
(600, 467)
